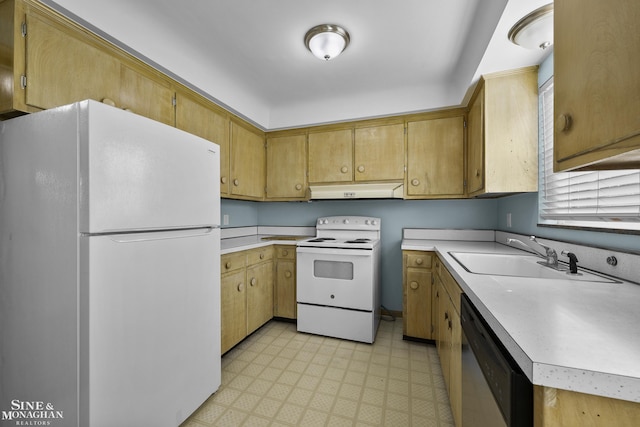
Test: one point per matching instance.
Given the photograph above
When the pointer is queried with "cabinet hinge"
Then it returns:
(464, 124)
(174, 102)
(464, 183)
(23, 81)
(23, 29)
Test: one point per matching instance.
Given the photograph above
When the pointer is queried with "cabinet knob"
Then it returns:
(298, 187)
(240, 287)
(415, 182)
(287, 274)
(223, 179)
(361, 168)
(563, 123)
(227, 265)
(253, 281)
(236, 182)
(285, 252)
(262, 256)
(344, 169)
(109, 101)
(413, 285)
(419, 261)
(478, 173)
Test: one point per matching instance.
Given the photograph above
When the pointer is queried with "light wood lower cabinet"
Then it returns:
(449, 336)
(246, 294)
(554, 407)
(285, 287)
(417, 288)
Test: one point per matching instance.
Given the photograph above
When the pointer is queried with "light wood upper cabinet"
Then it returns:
(596, 84)
(287, 167)
(148, 95)
(331, 156)
(435, 158)
(63, 67)
(199, 117)
(379, 153)
(475, 144)
(248, 163)
(503, 134)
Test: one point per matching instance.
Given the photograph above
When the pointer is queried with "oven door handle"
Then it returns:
(334, 251)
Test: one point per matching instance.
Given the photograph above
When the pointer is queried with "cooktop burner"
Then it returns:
(321, 239)
(362, 240)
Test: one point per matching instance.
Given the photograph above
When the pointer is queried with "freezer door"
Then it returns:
(150, 327)
(137, 174)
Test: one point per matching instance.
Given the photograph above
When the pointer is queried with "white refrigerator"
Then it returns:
(109, 269)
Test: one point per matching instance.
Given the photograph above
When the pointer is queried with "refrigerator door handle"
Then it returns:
(160, 235)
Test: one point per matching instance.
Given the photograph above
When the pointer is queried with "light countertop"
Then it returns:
(243, 243)
(573, 335)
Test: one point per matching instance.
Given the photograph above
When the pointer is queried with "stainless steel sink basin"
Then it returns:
(517, 265)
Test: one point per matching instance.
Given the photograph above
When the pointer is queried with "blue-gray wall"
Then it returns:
(395, 215)
(399, 214)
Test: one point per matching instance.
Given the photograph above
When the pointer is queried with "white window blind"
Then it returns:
(599, 199)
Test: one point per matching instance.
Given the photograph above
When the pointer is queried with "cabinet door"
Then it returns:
(444, 333)
(199, 118)
(455, 368)
(286, 167)
(435, 157)
(331, 156)
(63, 68)
(475, 133)
(259, 295)
(596, 82)
(285, 289)
(233, 309)
(248, 163)
(147, 95)
(379, 153)
(418, 303)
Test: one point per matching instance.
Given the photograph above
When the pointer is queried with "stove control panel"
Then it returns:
(348, 223)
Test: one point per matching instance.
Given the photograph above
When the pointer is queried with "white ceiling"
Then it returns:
(248, 55)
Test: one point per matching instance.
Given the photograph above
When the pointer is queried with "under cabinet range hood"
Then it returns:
(385, 190)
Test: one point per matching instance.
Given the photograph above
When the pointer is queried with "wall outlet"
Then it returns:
(225, 219)
(509, 220)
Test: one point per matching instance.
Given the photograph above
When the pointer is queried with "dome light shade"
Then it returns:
(534, 31)
(326, 41)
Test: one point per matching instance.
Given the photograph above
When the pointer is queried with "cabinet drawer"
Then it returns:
(286, 252)
(419, 259)
(256, 256)
(233, 261)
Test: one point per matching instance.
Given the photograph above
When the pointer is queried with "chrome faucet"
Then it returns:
(550, 256)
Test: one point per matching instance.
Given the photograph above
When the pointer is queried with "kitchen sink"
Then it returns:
(496, 264)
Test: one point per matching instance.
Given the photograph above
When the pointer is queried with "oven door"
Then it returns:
(336, 277)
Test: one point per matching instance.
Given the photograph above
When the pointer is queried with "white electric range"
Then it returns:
(338, 279)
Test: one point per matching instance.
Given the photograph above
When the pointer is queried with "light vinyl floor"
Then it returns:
(279, 377)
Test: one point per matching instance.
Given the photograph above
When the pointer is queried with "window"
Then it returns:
(598, 199)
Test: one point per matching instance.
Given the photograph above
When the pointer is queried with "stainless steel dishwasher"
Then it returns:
(495, 391)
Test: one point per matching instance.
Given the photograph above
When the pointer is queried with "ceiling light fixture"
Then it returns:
(326, 41)
(534, 31)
